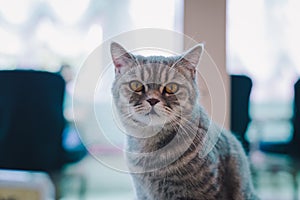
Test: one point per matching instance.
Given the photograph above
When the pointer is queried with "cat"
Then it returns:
(174, 150)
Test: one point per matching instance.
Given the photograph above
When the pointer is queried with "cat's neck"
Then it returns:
(180, 141)
(151, 138)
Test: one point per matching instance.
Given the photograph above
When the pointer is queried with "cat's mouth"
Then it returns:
(152, 112)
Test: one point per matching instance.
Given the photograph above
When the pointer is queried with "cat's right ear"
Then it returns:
(122, 59)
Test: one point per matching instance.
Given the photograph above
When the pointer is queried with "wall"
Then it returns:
(205, 21)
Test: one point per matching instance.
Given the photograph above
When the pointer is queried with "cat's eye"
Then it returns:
(136, 86)
(171, 88)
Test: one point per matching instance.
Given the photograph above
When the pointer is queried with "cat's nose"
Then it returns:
(152, 101)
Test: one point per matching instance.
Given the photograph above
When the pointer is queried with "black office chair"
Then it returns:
(295, 142)
(285, 156)
(240, 97)
(291, 148)
(32, 121)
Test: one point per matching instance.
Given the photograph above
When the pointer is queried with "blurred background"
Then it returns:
(255, 45)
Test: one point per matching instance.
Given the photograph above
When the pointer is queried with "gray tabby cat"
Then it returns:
(174, 151)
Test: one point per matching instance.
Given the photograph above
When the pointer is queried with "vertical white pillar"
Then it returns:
(205, 21)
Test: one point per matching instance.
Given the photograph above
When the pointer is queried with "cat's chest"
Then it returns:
(189, 182)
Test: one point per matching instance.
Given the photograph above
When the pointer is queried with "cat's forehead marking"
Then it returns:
(153, 73)
(153, 86)
(154, 69)
(155, 59)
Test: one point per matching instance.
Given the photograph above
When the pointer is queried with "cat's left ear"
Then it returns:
(190, 59)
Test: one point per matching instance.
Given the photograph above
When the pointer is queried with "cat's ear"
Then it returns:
(122, 59)
(190, 59)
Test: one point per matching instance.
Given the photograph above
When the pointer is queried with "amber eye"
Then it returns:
(136, 86)
(171, 88)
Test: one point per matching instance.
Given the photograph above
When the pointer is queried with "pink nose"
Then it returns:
(152, 101)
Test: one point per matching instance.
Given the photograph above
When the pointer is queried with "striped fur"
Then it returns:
(174, 150)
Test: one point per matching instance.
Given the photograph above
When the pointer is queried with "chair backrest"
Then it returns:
(31, 119)
(240, 98)
(296, 114)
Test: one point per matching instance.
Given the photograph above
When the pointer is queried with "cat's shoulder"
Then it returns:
(228, 143)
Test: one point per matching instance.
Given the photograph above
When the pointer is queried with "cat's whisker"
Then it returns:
(186, 132)
(126, 116)
(181, 117)
(187, 128)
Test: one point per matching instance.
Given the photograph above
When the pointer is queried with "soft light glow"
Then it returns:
(69, 11)
(154, 13)
(44, 30)
(248, 38)
(15, 11)
(10, 42)
(62, 41)
(293, 32)
(94, 37)
(66, 43)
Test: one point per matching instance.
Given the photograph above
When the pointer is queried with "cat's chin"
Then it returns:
(151, 119)
(144, 129)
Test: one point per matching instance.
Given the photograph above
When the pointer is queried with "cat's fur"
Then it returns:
(174, 150)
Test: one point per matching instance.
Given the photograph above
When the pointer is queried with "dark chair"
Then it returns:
(285, 156)
(295, 142)
(292, 147)
(32, 121)
(240, 97)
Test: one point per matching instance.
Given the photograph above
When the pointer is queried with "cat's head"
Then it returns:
(154, 90)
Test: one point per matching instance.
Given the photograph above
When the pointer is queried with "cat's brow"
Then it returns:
(153, 86)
